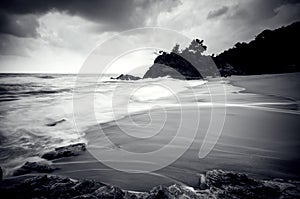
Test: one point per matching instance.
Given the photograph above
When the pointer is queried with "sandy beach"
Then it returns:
(149, 99)
(261, 140)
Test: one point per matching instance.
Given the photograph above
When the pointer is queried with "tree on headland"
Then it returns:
(176, 49)
(189, 62)
(272, 51)
(194, 54)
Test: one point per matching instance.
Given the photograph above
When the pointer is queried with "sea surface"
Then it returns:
(37, 110)
(32, 103)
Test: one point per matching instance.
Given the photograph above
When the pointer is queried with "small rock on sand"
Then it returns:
(39, 167)
(65, 151)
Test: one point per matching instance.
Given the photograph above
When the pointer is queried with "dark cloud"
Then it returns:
(19, 25)
(114, 14)
(112, 11)
(246, 19)
(19, 18)
(92, 9)
(256, 11)
(217, 13)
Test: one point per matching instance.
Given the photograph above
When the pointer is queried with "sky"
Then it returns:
(54, 36)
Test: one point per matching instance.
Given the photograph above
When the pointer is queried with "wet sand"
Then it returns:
(261, 141)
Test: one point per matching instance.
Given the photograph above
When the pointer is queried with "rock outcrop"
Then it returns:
(218, 184)
(46, 186)
(56, 122)
(109, 192)
(173, 65)
(65, 151)
(226, 184)
(39, 167)
(126, 77)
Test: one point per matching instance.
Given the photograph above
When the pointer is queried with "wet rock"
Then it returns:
(87, 186)
(35, 187)
(174, 191)
(220, 178)
(46, 186)
(62, 190)
(136, 195)
(40, 167)
(108, 192)
(235, 185)
(126, 77)
(202, 182)
(159, 192)
(288, 189)
(220, 184)
(65, 151)
(56, 122)
(85, 196)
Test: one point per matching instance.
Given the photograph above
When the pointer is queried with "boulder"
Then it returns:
(235, 185)
(109, 192)
(63, 189)
(85, 196)
(29, 167)
(87, 186)
(173, 191)
(56, 122)
(173, 65)
(126, 77)
(220, 178)
(49, 186)
(219, 184)
(65, 151)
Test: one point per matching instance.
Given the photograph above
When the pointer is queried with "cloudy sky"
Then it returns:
(57, 36)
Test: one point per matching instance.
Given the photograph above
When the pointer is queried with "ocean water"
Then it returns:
(31, 104)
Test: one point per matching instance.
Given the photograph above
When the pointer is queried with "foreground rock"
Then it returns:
(46, 186)
(214, 184)
(224, 184)
(39, 167)
(65, 151)
(126, 77)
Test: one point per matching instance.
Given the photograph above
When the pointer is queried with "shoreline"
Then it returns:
(273, 155)
(284, 87)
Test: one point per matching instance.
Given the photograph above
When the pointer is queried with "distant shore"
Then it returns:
(284, 85)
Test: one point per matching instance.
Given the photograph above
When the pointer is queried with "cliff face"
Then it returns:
(272, 51)
(173, 65)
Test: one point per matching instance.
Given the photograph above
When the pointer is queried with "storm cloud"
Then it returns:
(113, 14)
(19, 25)
(65, 30)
